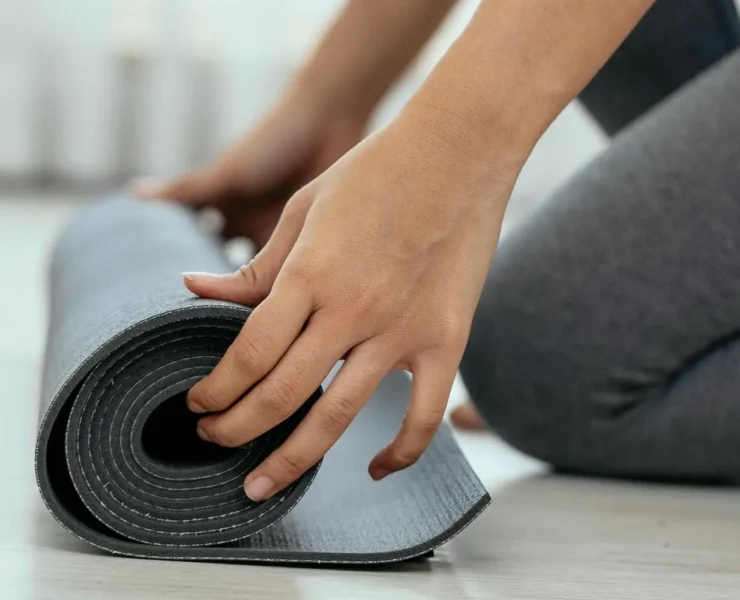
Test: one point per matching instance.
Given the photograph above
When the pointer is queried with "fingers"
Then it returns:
(298, 374)
(432, 382)
(194, 189)
(252, 283)
(269, 331)
(249, 285)
(326, 421)
(467, 418)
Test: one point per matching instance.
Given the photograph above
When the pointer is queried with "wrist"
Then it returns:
(442, 172)
(487, 149)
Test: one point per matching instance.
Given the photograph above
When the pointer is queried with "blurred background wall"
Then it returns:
(93, 92)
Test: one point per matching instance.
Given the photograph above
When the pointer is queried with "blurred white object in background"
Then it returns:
(158, 111)
(77, 43)
(97, 92)
(19, 53)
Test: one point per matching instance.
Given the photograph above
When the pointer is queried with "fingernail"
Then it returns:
(195, 407)
(202, 434)
(381, 474)
(259, 488)
(191, 274)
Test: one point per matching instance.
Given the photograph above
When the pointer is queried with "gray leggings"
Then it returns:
(607, 339)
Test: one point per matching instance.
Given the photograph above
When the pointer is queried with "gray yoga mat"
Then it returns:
(118, 462)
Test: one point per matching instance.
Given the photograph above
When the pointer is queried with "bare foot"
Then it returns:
(467, 418)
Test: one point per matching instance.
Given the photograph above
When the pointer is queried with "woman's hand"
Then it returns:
(322, 116)
(300, 138)
(380, 261)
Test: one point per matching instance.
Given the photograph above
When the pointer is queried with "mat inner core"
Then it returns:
(169, 437)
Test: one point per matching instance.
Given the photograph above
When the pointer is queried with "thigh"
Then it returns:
(594, 339)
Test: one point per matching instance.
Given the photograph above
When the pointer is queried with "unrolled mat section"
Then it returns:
(117, 459)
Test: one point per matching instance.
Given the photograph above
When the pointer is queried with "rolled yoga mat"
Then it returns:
(118, 462)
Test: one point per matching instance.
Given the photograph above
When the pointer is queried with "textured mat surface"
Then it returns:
(118, 462)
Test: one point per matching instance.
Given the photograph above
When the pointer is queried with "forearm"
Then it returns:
(517, 65)
(368, 46)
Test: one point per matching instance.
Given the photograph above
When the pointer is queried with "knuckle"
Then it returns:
(252, 276)
(336, 413)
(289, 464)
(210, 397)
(426, 425)
(249, 350)
(403, 458)
(367, 302)
(280, 397)
(223, 435)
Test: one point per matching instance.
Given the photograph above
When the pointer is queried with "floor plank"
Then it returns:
(545, 537)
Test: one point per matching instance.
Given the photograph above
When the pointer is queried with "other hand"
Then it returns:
(297, 140)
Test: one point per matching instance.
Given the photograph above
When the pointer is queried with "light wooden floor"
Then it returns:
(543, 538)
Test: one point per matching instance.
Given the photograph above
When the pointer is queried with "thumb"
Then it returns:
(251, 283)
